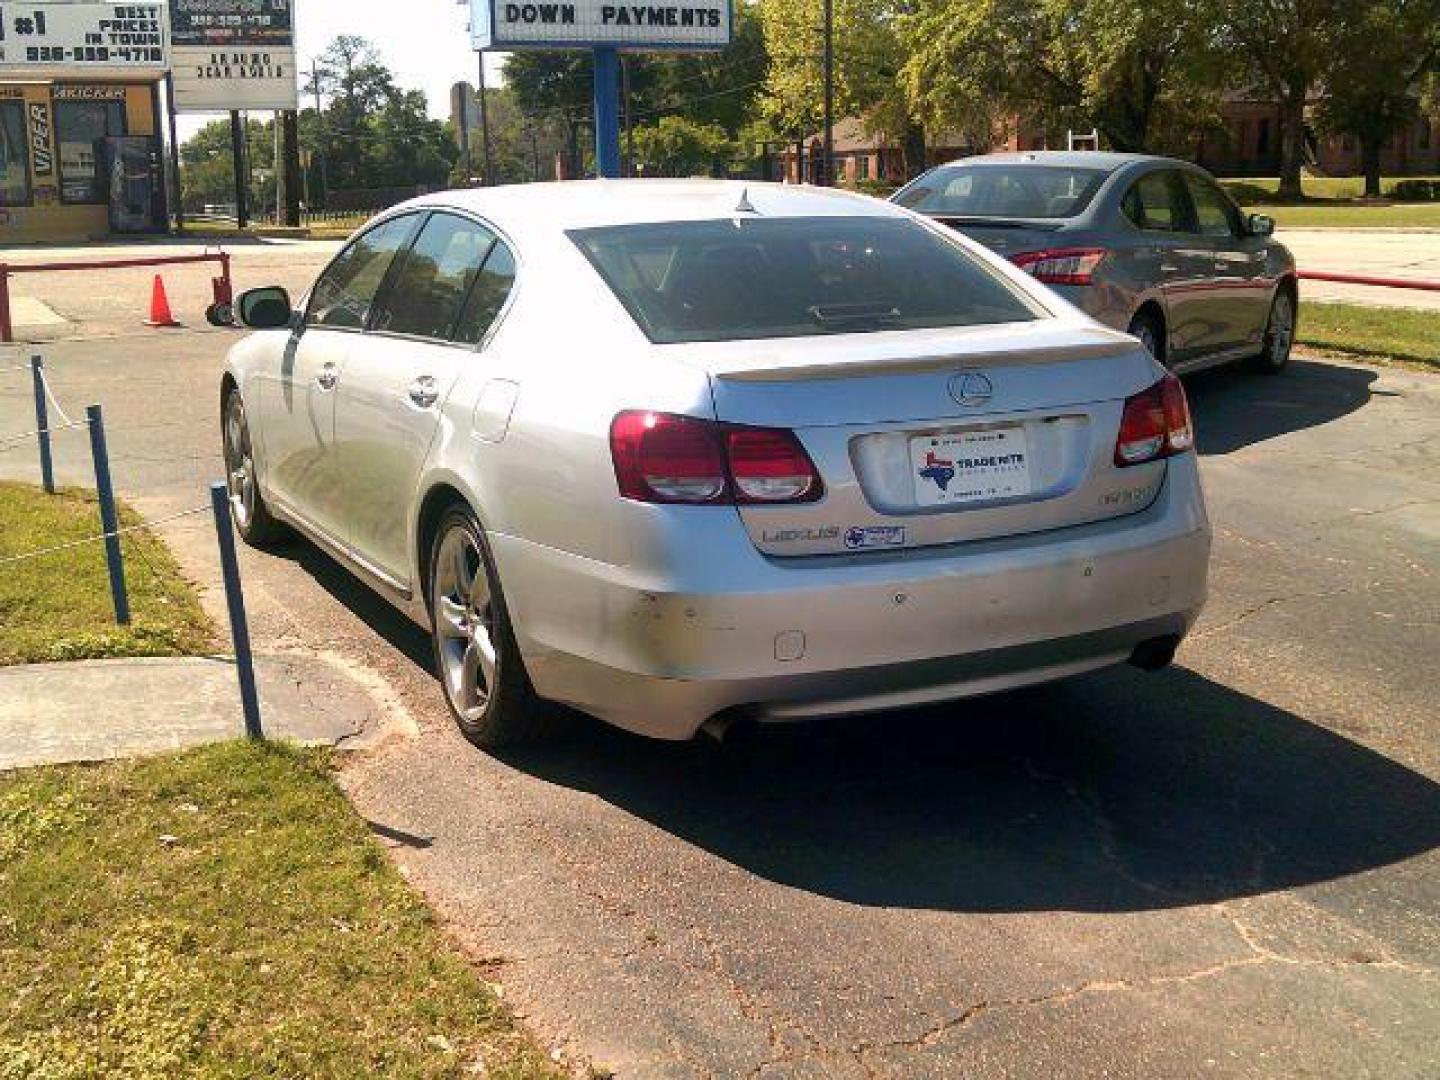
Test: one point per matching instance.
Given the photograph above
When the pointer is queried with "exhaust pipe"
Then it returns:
(1155, 654)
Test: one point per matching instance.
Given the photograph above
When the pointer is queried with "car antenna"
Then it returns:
(744, 206)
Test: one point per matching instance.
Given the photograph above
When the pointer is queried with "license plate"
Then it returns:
(970, 466)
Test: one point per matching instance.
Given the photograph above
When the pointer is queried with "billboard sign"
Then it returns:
(233, 54)
(43, 39)
(686, 26)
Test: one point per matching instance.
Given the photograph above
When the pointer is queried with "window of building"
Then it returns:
(1424, 139)
(79, 127)
(14, 155)
(1262, 137)
(862, 167)
(430, 287)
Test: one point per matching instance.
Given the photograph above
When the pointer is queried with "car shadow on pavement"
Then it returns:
(1114, 792)
(1234, 408)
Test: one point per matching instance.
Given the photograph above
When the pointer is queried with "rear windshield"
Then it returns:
(747, 278)
(1003, 191)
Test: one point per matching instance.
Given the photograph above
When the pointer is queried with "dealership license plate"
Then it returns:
(970, 466)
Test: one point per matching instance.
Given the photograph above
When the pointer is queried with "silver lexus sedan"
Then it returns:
(680, 452)
(1149, 245)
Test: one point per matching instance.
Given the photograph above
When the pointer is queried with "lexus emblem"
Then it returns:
(971, 388)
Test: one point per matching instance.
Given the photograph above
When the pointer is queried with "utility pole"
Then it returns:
(485, 126)
(289, 186)
(827, 167)
(320, 128)
(178, 207)
(242, 173)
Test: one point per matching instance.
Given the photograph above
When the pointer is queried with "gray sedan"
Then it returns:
(678, 452)
(1149, 245)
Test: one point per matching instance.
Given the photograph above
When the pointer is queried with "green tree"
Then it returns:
(1383, 52)
(675, 146)
(1144, 73)
(869, 56)
(555, 88)
(1286, 47)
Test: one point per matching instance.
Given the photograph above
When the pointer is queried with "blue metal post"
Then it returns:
(235, 601)
(109, 519)
(42, 424)
(607, 111)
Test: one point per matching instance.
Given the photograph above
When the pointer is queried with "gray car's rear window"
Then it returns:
(733, 280)
(1004, 191)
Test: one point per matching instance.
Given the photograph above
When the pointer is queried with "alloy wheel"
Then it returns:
(239, 462)
(463, 609)
(1282, 331)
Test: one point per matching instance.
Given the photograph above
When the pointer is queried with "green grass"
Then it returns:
(224, 913)
(1374, 332)
(58, 607)
(1329, 204)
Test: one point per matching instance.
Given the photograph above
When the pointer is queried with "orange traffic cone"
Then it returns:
(160, 314)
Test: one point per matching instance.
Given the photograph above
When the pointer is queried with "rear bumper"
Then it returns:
(724, 627)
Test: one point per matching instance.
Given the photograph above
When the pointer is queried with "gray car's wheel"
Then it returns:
(476, 657)
(1151, 333)
(1274, 355)
(247, 507)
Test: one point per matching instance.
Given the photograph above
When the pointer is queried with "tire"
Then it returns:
(1151, 332)
(1274, 356)
(479, 664)
(247, 506)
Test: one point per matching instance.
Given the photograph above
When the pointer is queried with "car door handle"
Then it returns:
(328, 378)
(423, 392)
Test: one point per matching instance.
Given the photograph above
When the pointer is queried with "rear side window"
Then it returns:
(1155, 203)
(346, 290)
(1005, 191)
(1214, 214)
(430, 287)
(749, 278)
(487, 295)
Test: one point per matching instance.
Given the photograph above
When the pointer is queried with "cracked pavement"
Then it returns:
(1226, 869)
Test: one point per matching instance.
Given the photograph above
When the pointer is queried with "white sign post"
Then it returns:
(604, 27)
(47, 40)
(233, 54)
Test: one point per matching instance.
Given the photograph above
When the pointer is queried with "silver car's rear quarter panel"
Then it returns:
(698, 623)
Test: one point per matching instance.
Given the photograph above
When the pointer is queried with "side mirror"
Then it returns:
(1261, 225)
(265, 309)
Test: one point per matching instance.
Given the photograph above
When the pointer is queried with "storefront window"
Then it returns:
(14, 157)
(78, 126)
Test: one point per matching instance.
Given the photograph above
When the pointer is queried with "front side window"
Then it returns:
(1004, 191)
(1154, 203)
(795, 277)
(79, 127)
(1214, 215)
(431, 285)
(346, 290)
(14, 155)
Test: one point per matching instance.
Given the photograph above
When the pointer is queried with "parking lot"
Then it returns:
(1226, 869)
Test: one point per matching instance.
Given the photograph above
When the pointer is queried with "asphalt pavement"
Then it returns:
(1226, 869)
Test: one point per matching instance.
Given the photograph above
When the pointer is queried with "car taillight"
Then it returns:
(665, 458)
(1061, 266)
(1156, 424)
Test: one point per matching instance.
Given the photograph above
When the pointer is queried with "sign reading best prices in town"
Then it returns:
(52, 40)
(687, 25)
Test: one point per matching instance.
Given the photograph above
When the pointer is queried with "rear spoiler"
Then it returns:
(1113, 344)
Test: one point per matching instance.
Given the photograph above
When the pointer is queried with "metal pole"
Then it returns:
(629, 120)
(607, 111)
(42, 424)
(109, 519)
(485, 128)
(7, 330)
(237, 155)
(175, 153)
(827, 168)
(235, 602)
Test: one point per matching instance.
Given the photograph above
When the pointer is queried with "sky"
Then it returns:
(424, 42)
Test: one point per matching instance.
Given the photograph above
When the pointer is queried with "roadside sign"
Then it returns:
(45, 39)
(233, 54)
(687, 25)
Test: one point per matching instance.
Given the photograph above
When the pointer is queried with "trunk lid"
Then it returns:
(940, 437)
(1008, 236)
